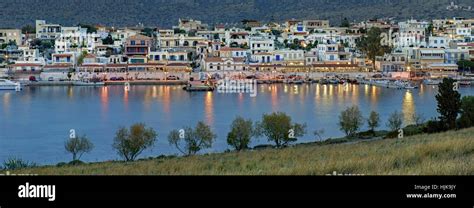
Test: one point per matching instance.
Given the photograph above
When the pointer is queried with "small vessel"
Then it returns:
(323, 81)
(381, 83)
(395, 84)
(465, 83)
(6, 84)
(88, 83)
(334, 81)
(198, 86)
(409, 85)
(432, 81)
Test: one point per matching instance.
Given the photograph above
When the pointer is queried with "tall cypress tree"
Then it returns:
(449, 103)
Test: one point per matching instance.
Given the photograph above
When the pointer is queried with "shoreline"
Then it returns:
(397, 155)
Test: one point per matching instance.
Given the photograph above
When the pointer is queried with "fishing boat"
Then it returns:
(409, 85)
(6, 84)
(432, 81)
(198, 86)
(334, 81)
(464, 83)
(88, 83)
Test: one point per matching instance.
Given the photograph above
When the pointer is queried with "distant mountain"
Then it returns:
(165, 13)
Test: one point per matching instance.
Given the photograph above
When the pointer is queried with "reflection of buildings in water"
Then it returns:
(408, 108)
(104, 99)
(166, 100)
(374, 95)
(125, 99)
(209, 108)
(354, 93)
(274, 97)
(70, 92)
(6, 102)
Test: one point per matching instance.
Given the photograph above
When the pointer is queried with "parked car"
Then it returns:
(50, 79)
(172, 77)
(32, 79)
(117, 79)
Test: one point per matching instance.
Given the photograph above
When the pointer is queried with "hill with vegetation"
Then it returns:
(448, 153)
(165, 13)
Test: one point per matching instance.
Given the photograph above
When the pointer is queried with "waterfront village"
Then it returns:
(290, 51)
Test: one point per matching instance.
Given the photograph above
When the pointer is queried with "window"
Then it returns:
(142, 42)
(132, 42)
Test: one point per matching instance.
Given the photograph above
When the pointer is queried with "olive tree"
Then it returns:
(350, 120)
(129, 143)
(395, 121)
(241, 133)
(279, 128)
(373, 121)
(190, 141)
(77, 146)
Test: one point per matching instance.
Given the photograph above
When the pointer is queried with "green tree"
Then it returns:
(449, 103)
(345, 23)
(373, 121)
(395, 121)
(28, 29)
(350, 120)
(465, 64)
(467, 112)
(80, 60)
(147, 32)
(279, 128)
(240, 134)
(78, 146)
(194, 140)
(371, 45)
(129, 143)
(108, 40)
(90, 28)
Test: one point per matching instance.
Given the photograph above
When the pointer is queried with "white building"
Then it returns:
(47, 31)
(72, 38)
(224, 64)
(438, 42)
(262, 44)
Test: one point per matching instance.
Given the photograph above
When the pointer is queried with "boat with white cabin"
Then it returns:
(6, 84)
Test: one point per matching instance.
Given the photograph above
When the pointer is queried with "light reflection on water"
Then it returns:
(35, 123)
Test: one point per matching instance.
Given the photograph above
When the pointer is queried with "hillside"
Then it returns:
(164, 13)
(450, 153)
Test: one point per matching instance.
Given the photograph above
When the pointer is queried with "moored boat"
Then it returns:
(198, 86)
(88, 83)
(432, 81)
(6, 84)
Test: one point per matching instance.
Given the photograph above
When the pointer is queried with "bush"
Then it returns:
(373, 121)
(78, 146)
(194, 140)
(278, 128)
(412, 130)
(434, 126)
(395, 121)
(241, 133)
(61, 164)
(76, 162)
(131, 143)
(17, 163)
(350, 121)
(467, 112)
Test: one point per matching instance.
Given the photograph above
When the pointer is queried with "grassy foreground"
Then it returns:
(450, 153)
